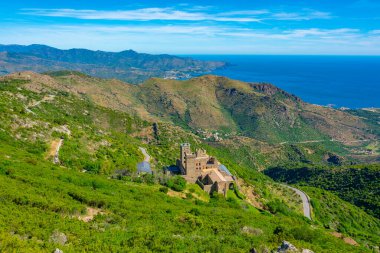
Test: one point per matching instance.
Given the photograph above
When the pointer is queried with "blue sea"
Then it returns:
(338, 81)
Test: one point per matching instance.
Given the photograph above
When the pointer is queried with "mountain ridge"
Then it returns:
(211, 104)
(127, 65)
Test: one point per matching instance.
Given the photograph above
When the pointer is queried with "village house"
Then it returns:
(204, 170)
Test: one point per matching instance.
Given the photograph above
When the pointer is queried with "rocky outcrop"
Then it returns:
(287, 247)
(58, 237)
(251, 231)
(271, 90)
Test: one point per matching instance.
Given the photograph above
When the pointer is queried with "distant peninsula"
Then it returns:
(129, 65)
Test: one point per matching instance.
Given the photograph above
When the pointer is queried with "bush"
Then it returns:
(277, 206)
(176, 183)
(9, 171)
(164, 189)
(279, 234)
(304, 234)
(195, 211)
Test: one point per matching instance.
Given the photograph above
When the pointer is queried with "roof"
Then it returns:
(173, 168)
(216, 176)
(224, 169)
(144, 167)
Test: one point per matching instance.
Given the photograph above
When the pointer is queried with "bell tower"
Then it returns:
(185, 149)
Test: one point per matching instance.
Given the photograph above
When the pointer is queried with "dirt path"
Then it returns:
(305, 201)
(47, 98)
(145, 153)
(90, 214)
(54, 150)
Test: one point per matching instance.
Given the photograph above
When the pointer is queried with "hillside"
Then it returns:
(261, 111)
(259, 117)
(92, 200)
(356, 184)
(126, 65)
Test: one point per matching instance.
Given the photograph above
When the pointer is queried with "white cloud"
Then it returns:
(301, 16)
(145, 14)
(186, 39)
(190, 14)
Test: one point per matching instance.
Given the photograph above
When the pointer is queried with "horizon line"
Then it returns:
(195, 54)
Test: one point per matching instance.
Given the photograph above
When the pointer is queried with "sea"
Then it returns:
(336, 81)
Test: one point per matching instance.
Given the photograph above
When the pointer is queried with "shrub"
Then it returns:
(277, 206)
(164, 189)
(9, 171)
(176, 183)
(304, 234)
(195, 211)
(279, 234)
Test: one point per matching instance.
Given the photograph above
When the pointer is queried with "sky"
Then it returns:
(314, 27)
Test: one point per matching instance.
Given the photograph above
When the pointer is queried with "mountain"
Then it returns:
(126, 65)
(87, 196)
(279, 127)
(262, 111)
(258, 118)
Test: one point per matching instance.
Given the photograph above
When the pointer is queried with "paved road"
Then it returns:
(305, 201)
(146, 155)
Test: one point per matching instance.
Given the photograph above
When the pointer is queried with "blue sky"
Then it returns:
(347, 27)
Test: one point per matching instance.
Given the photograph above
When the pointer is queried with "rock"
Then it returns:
(307, 251)
(286, 247)
(58, 237)
(251, 231)
(57, 251)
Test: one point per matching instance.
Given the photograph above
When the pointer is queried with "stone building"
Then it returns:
(204, 170)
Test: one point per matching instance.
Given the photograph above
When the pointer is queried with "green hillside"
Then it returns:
(356, 184)
(92, 200)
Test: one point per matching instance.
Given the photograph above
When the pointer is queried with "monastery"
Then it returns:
(204, 170)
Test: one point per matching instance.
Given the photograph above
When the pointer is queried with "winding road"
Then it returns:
(305, 201)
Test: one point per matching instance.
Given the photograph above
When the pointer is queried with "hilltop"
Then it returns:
(126, 65)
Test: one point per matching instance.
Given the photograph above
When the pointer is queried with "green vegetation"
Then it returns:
(333, 213)
(357, 184)
(136, 67)
(93, 196)
(176, 183)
